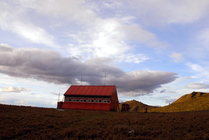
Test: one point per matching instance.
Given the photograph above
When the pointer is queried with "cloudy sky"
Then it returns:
(153, 51)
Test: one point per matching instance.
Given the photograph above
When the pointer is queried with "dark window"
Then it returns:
(106, 101)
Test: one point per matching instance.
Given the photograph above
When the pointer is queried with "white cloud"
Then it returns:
(16, 20)
(203, 38)
(102, 39)
(197, 86)
(134, 32)
(69, 10)
(133, 58)
(164, 11)
(107, 40)
(110, 38)
(198, 47)
(200, 71)
(34, 34)
(157, 11)
(94, 36)
(14, 89)
(177, 57)
(196, 67)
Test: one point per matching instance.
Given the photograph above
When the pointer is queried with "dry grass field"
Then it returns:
(19, 122)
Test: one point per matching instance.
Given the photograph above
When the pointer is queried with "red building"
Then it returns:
(88, 97)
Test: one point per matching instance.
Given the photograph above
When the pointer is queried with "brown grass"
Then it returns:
(19, 122)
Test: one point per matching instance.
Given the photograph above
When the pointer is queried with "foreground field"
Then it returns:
(40, 123)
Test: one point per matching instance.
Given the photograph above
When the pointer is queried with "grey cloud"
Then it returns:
(142, 82)
(197, 86)
(50, 66)
(163, 91)
(5, 48)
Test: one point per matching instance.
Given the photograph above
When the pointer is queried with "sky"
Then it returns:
(153, 51)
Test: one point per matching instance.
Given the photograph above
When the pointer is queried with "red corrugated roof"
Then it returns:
(90, 90)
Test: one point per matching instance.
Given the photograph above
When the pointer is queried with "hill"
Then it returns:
(191, 96)
(136, 106)
(190, 102)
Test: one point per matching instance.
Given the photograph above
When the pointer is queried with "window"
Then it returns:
(97, 101)
(106, 101)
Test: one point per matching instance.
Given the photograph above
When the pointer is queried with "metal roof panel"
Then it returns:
(90, 90)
